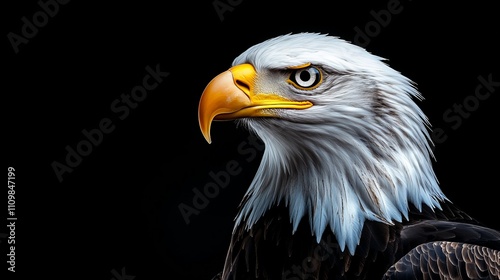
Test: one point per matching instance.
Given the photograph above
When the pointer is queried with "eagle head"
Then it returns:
(345, 141)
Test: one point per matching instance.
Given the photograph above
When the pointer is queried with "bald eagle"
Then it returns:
(345, 188)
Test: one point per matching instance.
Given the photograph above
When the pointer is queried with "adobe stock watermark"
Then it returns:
(223, 6)
(31, 26)
(381, 19)
(220, 179)
(121, 108)
(310, 265)
(458, 112)
(121, 276)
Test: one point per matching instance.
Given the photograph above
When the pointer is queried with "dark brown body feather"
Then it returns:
(406, 250)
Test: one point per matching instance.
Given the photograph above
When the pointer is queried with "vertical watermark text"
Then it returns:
(11, 218)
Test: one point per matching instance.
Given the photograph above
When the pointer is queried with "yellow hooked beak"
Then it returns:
(231, 95)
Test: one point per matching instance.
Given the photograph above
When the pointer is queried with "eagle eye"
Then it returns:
(305, 78)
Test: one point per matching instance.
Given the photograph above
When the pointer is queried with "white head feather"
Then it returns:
(362, 152)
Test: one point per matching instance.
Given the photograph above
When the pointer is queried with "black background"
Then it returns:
(116, 214)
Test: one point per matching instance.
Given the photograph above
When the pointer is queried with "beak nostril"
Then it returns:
(244, 86)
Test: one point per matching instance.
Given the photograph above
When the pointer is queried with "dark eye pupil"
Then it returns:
(305, 76)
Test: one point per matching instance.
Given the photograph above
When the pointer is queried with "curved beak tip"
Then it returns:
(204, 124)
(208, 138)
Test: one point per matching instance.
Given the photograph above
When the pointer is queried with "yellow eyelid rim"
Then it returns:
(305, 65)
(302, 66)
